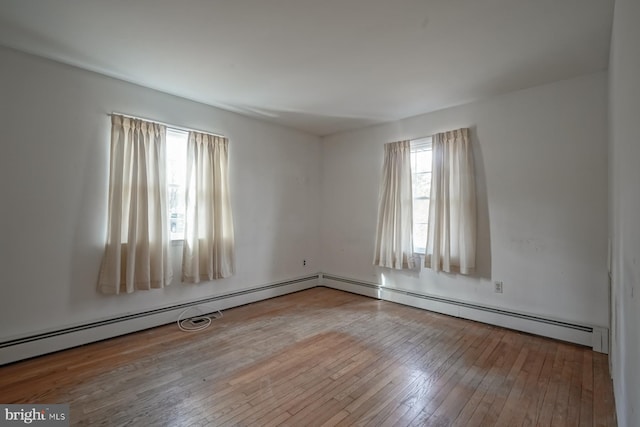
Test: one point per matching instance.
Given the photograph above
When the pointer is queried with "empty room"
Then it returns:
(300, 213)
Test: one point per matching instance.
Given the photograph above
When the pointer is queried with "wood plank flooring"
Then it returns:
(322, 357)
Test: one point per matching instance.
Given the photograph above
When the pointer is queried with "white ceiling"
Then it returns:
(322, 66)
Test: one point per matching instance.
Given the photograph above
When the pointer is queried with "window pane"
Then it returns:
(423, 161)
(176, 176)
(420, 210)
(421, 157)
(421, 184)
(419, 237)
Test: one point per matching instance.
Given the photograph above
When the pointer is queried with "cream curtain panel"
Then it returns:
(209, 249)
(394, 244)
(137, 249)
(451, 236)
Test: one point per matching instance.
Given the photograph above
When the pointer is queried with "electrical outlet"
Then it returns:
(498, 287)
(304, 262)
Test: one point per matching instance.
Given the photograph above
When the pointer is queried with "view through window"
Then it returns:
(421, 187)
(176, 176)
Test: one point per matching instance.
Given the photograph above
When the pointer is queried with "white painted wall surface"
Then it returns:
(54, 170)
(624, 166)
(541, 167)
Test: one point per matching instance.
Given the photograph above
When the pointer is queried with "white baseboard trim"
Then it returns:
(20, 348)
(595, 337)
(48, 342)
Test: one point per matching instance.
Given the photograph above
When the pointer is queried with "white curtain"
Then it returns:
(137, 250)
(451, 236)
(208, 251)
(394, 244)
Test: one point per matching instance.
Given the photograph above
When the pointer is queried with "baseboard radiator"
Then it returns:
(588, 335)
(32, 345)
(50, 341)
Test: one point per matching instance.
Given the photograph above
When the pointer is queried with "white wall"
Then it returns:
(540, 160)
(624, 166)
(54, 169)
(541, 165)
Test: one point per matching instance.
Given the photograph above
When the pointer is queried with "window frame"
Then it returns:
(180, 184)
(420, 145)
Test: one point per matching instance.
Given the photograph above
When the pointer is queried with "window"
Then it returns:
(176, 175)
(421, 187)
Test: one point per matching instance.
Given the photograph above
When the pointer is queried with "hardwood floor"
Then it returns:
(322, 357)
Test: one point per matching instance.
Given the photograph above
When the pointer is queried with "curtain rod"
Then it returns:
(169, 125)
